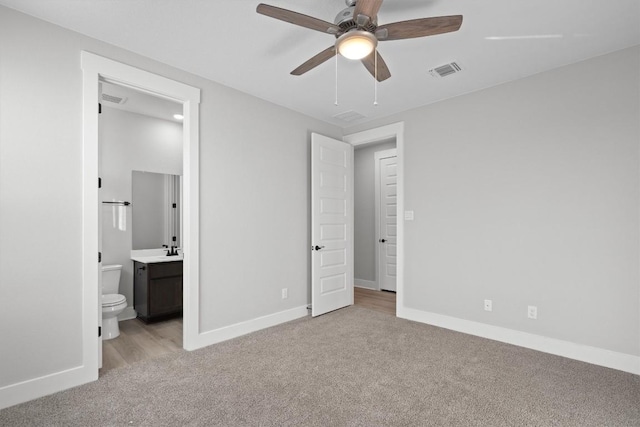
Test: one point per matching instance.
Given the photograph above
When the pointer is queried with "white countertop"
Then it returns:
(149, 256)
(158, 258)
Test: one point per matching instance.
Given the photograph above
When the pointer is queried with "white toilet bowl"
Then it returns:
(112, 305)
(112, 302)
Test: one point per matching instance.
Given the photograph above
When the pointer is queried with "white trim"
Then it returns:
(42, 386)
(242, 328)
(376, 135)
(95, 69)
(584, 353)
(366, 284)
(377, 157)
(372, 136)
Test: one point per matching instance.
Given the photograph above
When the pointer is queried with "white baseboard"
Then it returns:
(127, 314)
(367, 284)
(232, 331)
(37, 387)
(584, 353)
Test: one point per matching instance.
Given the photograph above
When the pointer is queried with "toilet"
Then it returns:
(112, 302)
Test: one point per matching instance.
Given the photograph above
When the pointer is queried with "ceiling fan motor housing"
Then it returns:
(345, 15)
(347, 22)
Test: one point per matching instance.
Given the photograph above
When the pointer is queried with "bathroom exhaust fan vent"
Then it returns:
(349, 116)
(114, 99)
(445, 70)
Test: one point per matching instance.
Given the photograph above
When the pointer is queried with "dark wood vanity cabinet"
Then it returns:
(157, 290)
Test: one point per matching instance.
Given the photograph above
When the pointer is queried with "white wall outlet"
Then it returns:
(285, 293)
(532, 312)
(488, 305)
(408, 215)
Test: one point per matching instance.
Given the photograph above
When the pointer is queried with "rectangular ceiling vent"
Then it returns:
(349, 116)
(114, 99)
(445, 70)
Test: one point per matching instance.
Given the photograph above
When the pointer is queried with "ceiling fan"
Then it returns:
(357, 33)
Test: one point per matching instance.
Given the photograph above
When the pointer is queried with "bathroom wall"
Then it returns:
(130, 141)
(364, 212)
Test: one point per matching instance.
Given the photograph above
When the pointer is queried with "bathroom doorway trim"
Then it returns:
(96, 69)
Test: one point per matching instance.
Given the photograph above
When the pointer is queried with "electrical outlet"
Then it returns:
(488, 305)
(285, 293)
(532, 312)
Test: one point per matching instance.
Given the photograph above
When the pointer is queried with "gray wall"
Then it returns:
(364, 210)
(128, 142)
(528, 194)
(253, 157)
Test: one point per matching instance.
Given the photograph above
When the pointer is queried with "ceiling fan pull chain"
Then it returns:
(375, 78)
(336, 103)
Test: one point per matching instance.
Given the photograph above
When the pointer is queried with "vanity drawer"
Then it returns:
(165, 269)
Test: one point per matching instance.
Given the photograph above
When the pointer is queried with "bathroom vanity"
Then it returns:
(157, 288)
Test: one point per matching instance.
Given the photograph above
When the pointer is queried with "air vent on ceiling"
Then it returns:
(349, 116)
(114, 99)
(445, 70)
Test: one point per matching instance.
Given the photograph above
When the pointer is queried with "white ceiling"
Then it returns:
(139, 102)
(228, 42)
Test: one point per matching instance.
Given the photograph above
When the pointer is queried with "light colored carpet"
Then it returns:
(352, 367)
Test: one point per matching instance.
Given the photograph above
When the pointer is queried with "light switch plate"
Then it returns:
(408, 215)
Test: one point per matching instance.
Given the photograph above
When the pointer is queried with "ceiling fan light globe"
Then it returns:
(356, 44)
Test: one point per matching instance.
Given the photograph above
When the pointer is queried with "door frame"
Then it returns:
(373, 136)
(96, 69)
(378, 156)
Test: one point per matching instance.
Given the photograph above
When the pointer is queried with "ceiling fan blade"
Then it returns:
(368, 8)
(370, 63)
(323, 56)
(297, 19)
(419, 27)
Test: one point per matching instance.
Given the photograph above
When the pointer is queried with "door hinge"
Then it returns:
(99, 182)
(99, 256)
(99, 331)
(99, 108)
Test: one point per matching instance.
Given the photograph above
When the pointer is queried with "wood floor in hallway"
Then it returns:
(382, 301)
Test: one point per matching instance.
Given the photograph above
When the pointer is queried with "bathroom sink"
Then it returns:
(157, 258)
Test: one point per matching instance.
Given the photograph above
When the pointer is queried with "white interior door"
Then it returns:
(332, 224)
(387, 224)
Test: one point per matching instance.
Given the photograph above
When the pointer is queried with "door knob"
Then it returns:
(317, 248)
(382, 240)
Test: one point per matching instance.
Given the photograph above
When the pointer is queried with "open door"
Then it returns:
(332, 224)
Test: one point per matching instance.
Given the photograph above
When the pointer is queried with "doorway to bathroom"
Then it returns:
(96, 71)
(141, 168)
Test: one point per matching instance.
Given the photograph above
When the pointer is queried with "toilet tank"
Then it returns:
(111, 278)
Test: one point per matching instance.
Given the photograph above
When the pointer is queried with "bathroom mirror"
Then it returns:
(155, 205)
